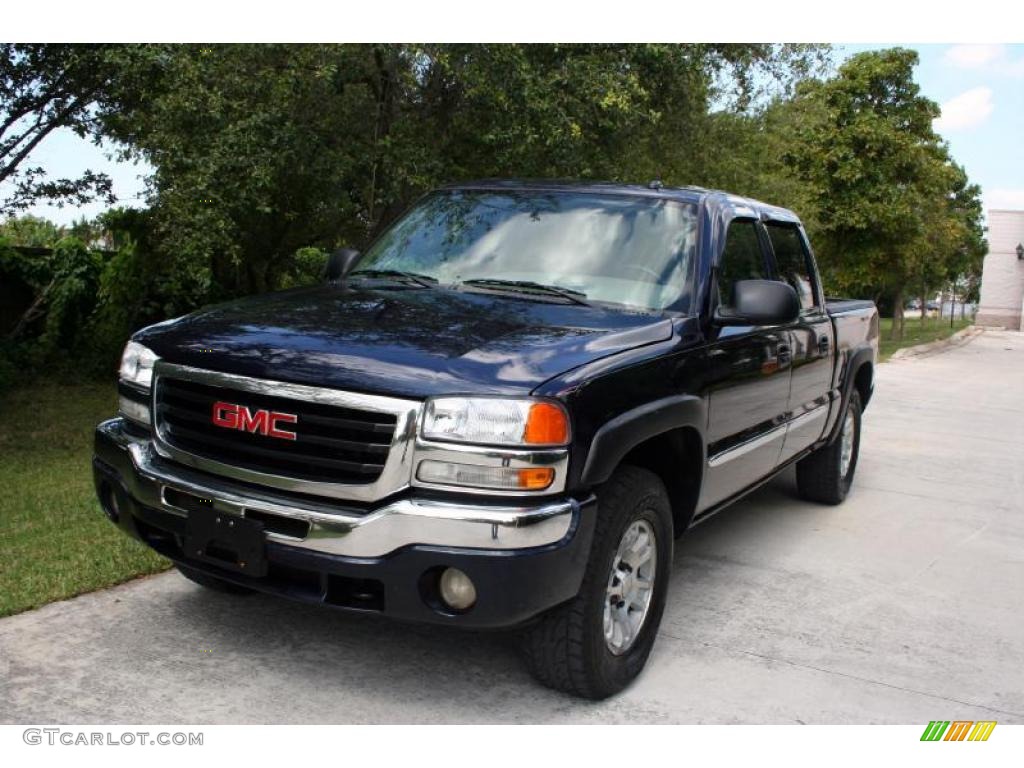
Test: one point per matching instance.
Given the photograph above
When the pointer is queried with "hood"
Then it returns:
(404, 342)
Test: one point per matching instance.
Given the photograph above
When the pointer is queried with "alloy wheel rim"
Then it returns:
(846, 453)
(630, 587)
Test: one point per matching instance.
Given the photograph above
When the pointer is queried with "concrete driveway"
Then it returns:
(904, 605)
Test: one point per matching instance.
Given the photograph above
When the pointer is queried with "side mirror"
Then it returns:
(340, 263)
(760, 302)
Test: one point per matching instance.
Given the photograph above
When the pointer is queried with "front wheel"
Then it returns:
(827, 474)
(597, 643)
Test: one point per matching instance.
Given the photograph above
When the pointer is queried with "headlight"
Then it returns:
(496, 421)
(137, 365)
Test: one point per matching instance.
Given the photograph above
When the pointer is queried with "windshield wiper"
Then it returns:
(425, 280)
(528, 286)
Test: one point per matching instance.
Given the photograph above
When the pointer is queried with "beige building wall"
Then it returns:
(1002, 281)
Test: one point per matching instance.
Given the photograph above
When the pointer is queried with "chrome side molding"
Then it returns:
(775, 433)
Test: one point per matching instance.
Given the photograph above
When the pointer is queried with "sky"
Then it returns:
(979, 87)
(981, 91)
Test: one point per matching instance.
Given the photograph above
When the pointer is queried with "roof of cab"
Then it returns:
(694, 195)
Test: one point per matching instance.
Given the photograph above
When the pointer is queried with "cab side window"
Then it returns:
(792, 262)
(742, 259)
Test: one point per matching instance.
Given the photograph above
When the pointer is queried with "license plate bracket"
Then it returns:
(227, 541)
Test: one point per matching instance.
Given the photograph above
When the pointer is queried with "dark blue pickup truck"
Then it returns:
(500, 415)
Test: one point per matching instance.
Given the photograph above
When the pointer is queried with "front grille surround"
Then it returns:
(349, 446)
(331, 444)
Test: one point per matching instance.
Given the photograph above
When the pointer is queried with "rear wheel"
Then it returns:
(827, 474)
(212, 582)
(597, 643)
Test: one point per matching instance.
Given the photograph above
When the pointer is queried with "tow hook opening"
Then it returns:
(347, 592)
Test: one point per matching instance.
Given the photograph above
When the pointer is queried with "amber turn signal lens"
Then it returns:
(535, 479)
(546, 424)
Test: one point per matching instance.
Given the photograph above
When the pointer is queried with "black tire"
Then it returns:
(212, 582)
(819, 477)
(566, 648)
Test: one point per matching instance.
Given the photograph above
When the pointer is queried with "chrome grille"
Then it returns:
(333, 444)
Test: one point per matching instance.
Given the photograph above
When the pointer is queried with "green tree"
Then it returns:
(893, 213)
(43, 88)
(30, 231)
(260, 150)
(966, 257)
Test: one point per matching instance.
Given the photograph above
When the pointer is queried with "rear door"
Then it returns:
(747, 370)
(812, 338)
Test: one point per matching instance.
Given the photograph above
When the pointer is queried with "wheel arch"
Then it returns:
(863, 381)
(860, 376)
(665, 437)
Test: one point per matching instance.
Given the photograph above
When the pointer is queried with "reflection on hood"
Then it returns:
(409, 342)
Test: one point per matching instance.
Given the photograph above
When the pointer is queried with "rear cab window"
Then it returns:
(792, 262)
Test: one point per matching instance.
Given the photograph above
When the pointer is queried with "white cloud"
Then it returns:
(968, 110)
(993, 58)
(971, 56)
(1004, 200)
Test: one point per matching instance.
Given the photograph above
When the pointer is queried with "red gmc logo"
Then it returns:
(232, 416)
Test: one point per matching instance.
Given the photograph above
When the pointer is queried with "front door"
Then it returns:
(748, 371)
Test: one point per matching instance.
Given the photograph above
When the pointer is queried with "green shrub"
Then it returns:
(305, 267)
(71, 296)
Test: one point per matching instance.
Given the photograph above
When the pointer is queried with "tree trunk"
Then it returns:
(31, 314)
(384, 93)
(896, 334)
(256, 277)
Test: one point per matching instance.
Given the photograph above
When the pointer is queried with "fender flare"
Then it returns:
(620, 435)
(862, 356)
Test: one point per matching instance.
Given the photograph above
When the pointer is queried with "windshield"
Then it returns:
(624, 250)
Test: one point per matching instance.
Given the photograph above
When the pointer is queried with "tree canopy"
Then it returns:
(893, 212)
(261, 149)
(266, 156)
(43, 88)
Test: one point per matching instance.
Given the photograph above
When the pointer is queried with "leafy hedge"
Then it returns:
(68, 311)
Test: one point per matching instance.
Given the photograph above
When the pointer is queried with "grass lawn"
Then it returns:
(915, 332)
(54, 540)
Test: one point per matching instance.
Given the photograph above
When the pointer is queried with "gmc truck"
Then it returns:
(499, 416)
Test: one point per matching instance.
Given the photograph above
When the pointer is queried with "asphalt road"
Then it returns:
(903, 605)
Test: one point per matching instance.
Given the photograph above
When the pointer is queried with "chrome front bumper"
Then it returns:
(333, 530)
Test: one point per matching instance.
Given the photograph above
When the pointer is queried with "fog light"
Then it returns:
(456, 589)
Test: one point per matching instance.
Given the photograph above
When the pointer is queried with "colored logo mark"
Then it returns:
(958, 730)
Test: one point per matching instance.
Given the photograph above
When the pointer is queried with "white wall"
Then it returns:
(1002, 282)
